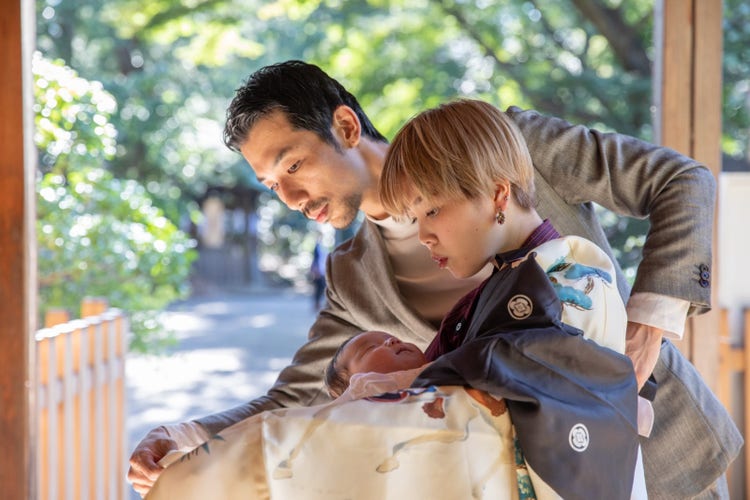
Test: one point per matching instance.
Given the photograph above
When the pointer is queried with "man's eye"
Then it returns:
(293, 168)
(433, 212)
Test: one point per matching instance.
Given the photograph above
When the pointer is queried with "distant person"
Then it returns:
(318, 272)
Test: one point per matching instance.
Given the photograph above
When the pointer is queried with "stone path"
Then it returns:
(231, 348)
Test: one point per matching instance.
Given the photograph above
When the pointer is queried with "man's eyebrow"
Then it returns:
(279, 156)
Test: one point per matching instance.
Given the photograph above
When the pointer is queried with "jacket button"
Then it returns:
(704, 283)
(705, 275)
(703, 267)
(458, 326)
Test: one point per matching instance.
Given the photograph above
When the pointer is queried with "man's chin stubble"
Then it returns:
(350, 208)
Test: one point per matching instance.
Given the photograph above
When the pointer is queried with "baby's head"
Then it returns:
(370, 351)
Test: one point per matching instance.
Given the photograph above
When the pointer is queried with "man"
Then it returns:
(307, 139)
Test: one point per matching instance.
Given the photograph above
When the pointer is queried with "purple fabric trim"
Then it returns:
(456, 322)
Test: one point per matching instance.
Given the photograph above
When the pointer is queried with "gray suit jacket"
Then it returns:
(575, 167)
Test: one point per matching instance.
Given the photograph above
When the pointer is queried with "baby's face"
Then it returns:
(379, 352)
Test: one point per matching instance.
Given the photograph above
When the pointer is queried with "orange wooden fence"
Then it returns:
(734, 388)
(81, 404)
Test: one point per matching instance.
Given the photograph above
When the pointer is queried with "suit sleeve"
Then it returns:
(634, 178)
(301, 383)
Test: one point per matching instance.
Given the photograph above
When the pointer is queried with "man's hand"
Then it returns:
(643, 344)
(144, 469)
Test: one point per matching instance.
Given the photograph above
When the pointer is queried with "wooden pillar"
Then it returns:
(687, 94)
(17, 253)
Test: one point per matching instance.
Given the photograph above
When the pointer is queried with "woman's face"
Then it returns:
(379, 352)
(460, 234)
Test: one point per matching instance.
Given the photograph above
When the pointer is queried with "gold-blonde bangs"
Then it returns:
(458, 150)
(430, 158)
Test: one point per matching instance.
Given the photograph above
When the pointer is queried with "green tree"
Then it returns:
(736, 79)
(98, 235)
(173, 65)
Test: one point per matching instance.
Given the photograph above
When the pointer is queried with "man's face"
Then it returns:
(307, 173)
(379, 352)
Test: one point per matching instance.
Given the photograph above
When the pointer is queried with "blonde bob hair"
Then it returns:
(458, 150)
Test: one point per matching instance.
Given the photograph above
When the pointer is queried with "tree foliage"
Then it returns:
(172, 66)
(98, 235)
(736, 74)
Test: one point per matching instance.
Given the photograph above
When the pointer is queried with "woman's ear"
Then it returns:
(502, 195)
(346, 126)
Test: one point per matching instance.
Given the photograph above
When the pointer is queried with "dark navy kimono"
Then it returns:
(573, 403)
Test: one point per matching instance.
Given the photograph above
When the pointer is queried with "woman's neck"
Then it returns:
(521, 224)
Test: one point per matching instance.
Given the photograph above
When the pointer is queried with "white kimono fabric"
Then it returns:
(437, 443)
(442, 442)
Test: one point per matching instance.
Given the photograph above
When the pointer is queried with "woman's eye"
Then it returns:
(432, 212)
(293, 168)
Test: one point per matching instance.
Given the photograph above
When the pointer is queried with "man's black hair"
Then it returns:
(304, 92)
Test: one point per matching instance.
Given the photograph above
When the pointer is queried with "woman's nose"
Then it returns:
(425, 237)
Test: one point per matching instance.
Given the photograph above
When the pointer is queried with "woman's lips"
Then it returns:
(441, 261)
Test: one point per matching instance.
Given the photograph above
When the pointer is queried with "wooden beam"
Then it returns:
(706, 148)
(687, 93)
(673, 75)
(17, 254)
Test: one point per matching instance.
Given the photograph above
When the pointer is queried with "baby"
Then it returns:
(372, 363)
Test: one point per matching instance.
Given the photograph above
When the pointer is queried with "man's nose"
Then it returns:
(391, 341)
(291, 195)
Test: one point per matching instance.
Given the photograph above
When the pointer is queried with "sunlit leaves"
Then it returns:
(292, 10)
(101, 236)
(71, 117)
(216, 44)
(172, 66)
(96, 234)
(736, 75)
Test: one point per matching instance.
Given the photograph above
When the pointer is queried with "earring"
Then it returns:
(500, 217)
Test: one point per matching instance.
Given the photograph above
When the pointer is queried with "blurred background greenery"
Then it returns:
(131, 97)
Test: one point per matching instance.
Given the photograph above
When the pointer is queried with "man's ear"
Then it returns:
(346, 126)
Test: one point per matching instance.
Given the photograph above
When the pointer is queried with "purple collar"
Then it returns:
(542, 234)
(456, 322)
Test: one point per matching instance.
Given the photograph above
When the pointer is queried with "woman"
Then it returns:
(463, 173)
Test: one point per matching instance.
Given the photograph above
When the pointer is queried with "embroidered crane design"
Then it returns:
(574, 282)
